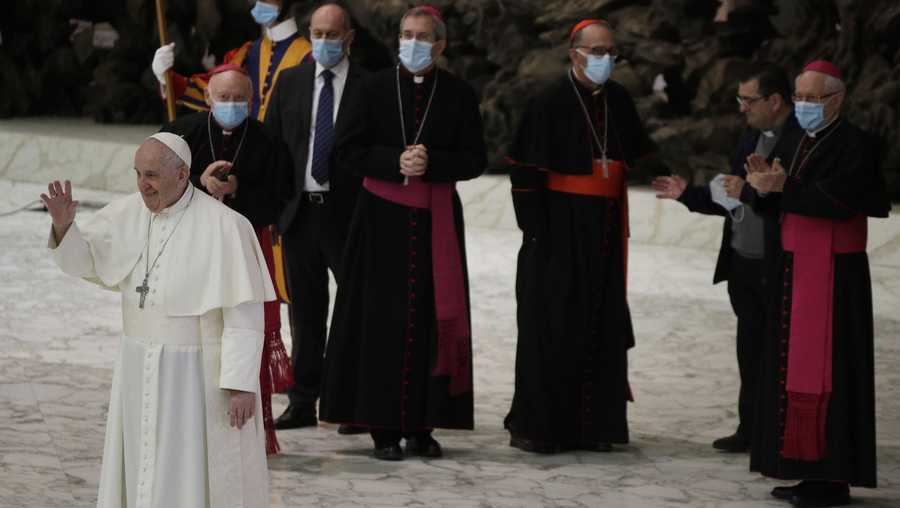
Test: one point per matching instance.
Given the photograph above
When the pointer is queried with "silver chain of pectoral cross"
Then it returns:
(587, 117)
(424, 117)
(799, 167)
(144, 288)
(212, 149)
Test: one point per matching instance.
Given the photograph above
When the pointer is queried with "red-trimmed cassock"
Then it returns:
(573, 317)
(816, 416)
(399, 355)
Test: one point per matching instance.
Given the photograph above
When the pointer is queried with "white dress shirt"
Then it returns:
(338, 81)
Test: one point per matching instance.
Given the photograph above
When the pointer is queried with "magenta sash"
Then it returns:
(454, 337)
(814, 242)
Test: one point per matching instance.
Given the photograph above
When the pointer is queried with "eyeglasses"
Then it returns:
(749, 101)
(817, 99)
(600, 51)
(408, 35)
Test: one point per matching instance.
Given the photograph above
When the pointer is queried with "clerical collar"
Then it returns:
(226, 132)
(243, 127)
(181, 204)
(415, 140)
(825, 128)
(282, 30)
(418, 79)
(592, 90)
(776, 132)
(338, 70)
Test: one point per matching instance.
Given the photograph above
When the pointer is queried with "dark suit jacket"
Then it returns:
(288, 116)
(698, 198)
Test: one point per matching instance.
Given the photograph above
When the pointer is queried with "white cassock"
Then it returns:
(169, 443)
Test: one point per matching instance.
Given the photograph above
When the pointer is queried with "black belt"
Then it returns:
(316, 198)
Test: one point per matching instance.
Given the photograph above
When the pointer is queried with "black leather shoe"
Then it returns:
(734, 443)
(424, 446)
(389, 452)
(596, 447)
(347, 430)
(532, 446)
(295, 418)
(787, 493)
(821, 495)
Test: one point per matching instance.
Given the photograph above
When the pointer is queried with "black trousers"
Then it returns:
(313, 244)
(746, 290)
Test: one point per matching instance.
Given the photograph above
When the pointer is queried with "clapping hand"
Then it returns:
(61, 207)
(765, 178)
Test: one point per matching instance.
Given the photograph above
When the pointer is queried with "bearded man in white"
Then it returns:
(181, 431)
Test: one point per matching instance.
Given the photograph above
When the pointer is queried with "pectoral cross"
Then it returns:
(605, 167)
(143, 289)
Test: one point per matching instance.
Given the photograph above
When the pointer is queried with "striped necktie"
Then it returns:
(324, 136)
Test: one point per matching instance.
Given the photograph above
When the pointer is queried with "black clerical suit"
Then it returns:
(313, 224)
(746, 274)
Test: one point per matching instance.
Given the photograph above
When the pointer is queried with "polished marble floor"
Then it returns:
(58, 338)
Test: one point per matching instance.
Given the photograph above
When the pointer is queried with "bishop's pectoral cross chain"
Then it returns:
(144, 288)
(587, 116)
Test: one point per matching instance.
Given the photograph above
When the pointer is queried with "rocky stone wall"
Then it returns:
(680, 59)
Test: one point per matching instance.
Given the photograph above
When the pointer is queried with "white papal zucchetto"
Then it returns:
(175, 143)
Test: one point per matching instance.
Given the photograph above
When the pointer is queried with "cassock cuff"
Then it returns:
(73, 232)
(242, 345)
(72, 254)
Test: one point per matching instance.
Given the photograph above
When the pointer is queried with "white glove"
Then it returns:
(163, 60)
(208, 61)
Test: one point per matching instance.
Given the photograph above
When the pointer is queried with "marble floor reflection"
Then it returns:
(58, 338)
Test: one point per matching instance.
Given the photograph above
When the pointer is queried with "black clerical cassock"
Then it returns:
(399, 350)
(568, 164)
(816, 410)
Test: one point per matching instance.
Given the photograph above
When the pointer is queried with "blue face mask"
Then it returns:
(415, 55)
(599, 68)
(810, 115)
(264, 14)
(230, 114)
(327, 52)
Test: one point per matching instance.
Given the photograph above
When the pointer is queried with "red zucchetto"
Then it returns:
(825, 67)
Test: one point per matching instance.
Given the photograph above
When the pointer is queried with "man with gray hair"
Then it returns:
(816, 405)
(399, 354)
(182, 427)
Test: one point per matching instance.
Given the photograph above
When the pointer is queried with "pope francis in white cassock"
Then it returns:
(181, 431)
